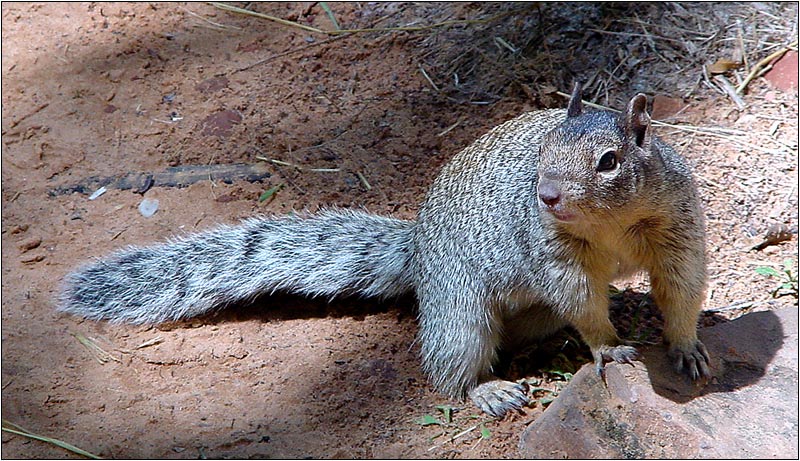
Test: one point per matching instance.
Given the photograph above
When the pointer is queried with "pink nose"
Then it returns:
(549, 192)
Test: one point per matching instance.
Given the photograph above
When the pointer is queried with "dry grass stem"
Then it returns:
(215, 25)
(15, 429)
(755, 71)
(151, 342)
(363, 180)
(728, 88)
(298, 167)
(428, 78)
(97, 352)
(448, 129)
(461, 434)
(38, 109)
(633, 34)
(287, 53)
(235, 9)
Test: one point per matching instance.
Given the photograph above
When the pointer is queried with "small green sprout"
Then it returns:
(787, 278)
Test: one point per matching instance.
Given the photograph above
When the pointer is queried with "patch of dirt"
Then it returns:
(106, 90)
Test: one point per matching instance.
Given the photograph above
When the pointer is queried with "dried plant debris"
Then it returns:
(477, 53)
(614, 48)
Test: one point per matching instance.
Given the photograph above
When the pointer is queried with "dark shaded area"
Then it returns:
(741, 351)
(283, 306)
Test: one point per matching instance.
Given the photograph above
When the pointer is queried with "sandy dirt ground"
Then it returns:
(105, 90)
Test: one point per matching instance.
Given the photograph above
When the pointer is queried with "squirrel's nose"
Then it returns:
(549, 192)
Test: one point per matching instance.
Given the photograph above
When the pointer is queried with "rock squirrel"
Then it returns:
(519, 236)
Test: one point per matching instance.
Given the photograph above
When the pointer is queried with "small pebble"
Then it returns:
(148, 207)
(30, 244)
(30, 259)
(17, 229)
(98, 193)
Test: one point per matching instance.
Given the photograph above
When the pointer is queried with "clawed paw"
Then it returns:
(498, 397)
(691, 359)
(623, 353)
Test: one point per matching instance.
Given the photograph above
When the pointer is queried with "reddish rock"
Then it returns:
(665, 107)
(225, 198)
(211, 85)
(30, 259)
(221, 123)
(748, 410)
(29, 244)
(251, 46)
(783, 74)
(18, 229)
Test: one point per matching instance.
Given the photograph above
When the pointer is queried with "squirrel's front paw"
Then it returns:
(497, 397)
(691, 359)
(623, 353)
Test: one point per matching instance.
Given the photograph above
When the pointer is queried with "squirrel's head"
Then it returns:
(593, 163)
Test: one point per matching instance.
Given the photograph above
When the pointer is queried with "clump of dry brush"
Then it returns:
(677, 49)
(479, 52)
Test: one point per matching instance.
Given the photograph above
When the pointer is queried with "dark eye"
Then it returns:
(608, 161)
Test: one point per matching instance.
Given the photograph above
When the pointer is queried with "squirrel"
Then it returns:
(520, 235)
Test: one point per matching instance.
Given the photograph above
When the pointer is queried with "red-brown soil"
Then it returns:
(110, 89)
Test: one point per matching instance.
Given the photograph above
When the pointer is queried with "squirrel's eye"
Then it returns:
(608, 161)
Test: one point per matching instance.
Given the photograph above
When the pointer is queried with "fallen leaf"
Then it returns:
(723, 65)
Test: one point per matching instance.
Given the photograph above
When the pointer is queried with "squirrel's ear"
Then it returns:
(575, 107)
(637, 121)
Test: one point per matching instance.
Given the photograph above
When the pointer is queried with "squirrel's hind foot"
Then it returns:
(498, 397)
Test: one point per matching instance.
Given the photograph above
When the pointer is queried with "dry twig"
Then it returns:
(728, 88)
(756, 70)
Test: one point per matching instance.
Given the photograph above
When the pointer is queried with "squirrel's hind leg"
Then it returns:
(530, 325)
(522, 327)
(460, 334)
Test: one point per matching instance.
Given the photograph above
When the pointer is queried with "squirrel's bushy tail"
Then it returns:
(331, 253)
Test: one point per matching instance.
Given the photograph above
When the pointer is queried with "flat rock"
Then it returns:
(749, 409)
(221, 123)
(665, 107)
(783, 74)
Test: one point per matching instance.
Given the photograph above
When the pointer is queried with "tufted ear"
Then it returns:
(636, 122)
(575, 107)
